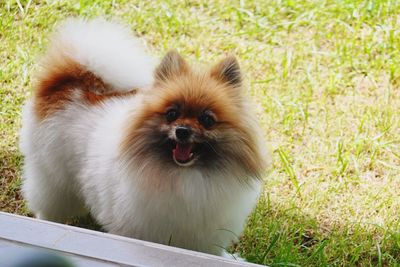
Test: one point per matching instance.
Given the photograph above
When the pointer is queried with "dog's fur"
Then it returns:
(96, 139)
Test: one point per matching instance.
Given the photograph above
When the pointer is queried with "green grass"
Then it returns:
(326, 77)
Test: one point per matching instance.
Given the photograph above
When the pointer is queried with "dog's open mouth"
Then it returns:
(183, 154)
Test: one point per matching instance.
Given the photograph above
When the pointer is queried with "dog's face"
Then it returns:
(196, 119)
(188, 133)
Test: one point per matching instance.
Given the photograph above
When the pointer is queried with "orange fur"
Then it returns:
(60, 76)
(96, 99)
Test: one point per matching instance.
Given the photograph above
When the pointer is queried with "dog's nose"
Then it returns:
(183, 133)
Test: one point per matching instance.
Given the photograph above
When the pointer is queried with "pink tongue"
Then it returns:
(182, 152)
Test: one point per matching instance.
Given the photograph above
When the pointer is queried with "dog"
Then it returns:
(159, 151)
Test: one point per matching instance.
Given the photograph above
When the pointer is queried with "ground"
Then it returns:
(325, 76)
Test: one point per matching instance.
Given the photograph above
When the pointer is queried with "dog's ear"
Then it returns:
(228, 71)
(171, 65)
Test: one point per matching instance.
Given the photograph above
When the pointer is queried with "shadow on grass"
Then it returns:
(86, 222)
(291, 238)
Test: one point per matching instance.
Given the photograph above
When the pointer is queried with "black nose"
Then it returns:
(183, 133)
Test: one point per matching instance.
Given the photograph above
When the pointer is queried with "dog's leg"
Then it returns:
(50, 198)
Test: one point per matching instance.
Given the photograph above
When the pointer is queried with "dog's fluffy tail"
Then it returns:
(100, 54)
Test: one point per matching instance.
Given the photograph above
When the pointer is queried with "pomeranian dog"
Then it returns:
(156, 151)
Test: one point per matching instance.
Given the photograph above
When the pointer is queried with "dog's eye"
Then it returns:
(206, 120)
(172, 115)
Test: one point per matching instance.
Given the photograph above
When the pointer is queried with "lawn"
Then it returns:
(325, 76)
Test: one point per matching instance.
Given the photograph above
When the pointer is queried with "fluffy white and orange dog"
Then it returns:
(164, 153)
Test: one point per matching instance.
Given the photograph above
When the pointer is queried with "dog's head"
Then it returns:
(196, 119)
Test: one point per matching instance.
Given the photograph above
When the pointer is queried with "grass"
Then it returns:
(325, 75)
